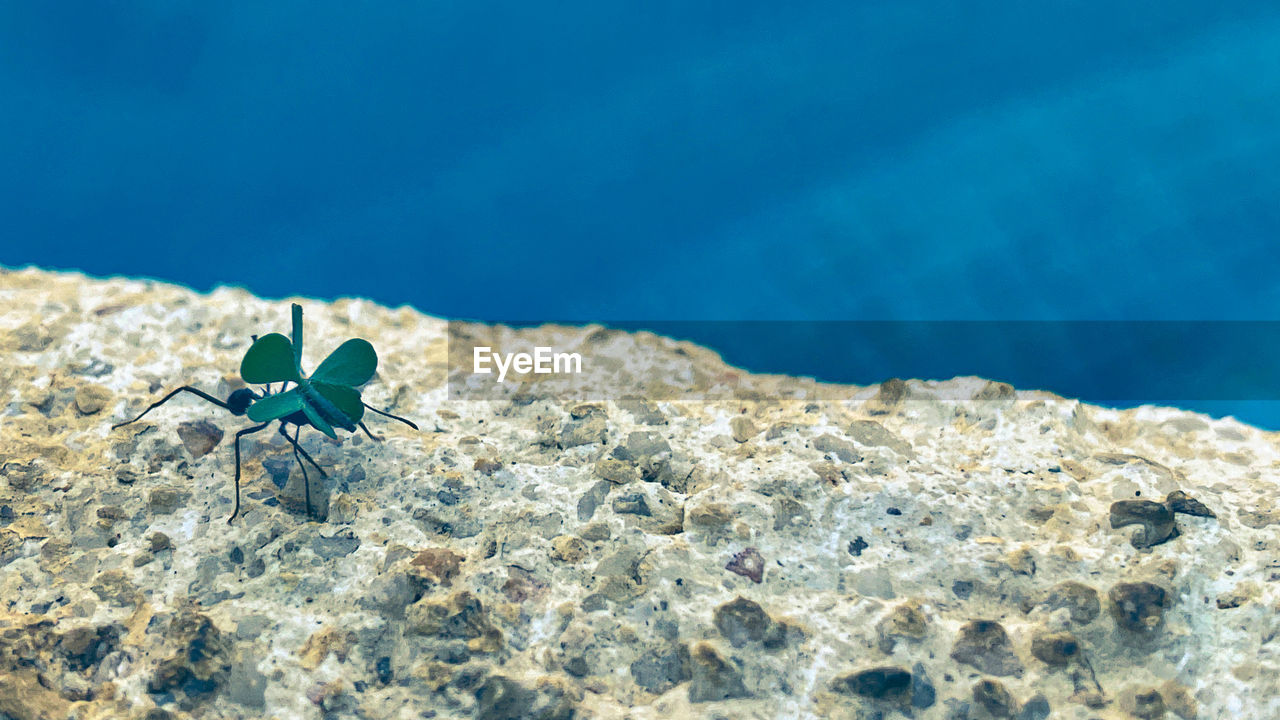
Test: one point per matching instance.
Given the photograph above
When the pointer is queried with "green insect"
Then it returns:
(326, 400)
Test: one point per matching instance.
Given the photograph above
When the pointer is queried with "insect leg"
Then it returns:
(305, 455)
(387, 414)
(239, 435)
(166, 398)
(306, 482)
(372, 437)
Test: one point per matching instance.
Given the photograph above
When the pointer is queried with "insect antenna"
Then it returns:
(166, 398)
(386, 414)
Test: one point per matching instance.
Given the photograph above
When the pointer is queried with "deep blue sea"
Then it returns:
(665, 162)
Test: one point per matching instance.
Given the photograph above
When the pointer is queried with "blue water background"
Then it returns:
(667, 161)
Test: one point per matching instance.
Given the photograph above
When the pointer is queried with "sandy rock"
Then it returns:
(696, 541)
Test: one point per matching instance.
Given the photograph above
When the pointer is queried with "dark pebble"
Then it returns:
(882, 683)
(382, 669)
(994, 698)
(1156, 521)
(1138, 607)
(336, 546)
(857, 546)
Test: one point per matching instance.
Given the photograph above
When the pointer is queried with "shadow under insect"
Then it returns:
(327, 400)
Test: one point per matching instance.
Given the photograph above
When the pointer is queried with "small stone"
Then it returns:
(712, 677)
(336, 546)
(158, 541)
(995, 391)
(643, 447)
(596, 532)
(24, 476)
(461, 616)
(115, 587)
(1180, 502)
(1138, 607)
(438, 566)
(660, 669)
(923, 694)
(592, 498)
(789, 514)
(905, 621)
(499, 698)
(632, 504)
(342, 509)
(881, 683)
(1079, 599)
(246, 685)
(324, 642)
(857, 545)
(644, 412)
(567, 549)
(166, 499)
(1148, 704)
(382, 670)
(1037, 708)
(200, 437)
(872, 434)
(1055, 648)
(577, 666)
(743, 429)
(112, 512)
(710, 520)
(985, 645)
(1156, 521)
(892, 392)
(748, 563)
(743, 620)
(90, 399)
(829, 473)
(994, 698)
(593, 429)
(1257, 520)
(842, 449)
(617, 471)
(486, 466)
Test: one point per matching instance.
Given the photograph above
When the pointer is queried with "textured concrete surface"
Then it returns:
(743, 547)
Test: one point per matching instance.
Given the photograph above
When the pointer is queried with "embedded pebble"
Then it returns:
(879, 682)
(199, 438)
(992, 696)
(1138, 607)
(1156, 521)
(984, 644)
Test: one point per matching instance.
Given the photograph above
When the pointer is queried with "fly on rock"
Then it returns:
(326, 400)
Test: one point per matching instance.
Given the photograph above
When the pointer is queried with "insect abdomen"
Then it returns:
(327, 410)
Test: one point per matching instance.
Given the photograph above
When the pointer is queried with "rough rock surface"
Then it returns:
(777, 549)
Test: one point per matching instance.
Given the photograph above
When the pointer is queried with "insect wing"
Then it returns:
(269, 360)
(273, 407)
(352, 364)
(344, 398)
(318, 422)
